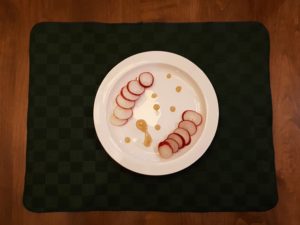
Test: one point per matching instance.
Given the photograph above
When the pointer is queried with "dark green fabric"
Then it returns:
(67, 169)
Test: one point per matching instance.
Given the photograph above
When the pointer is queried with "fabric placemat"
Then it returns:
(67, 169)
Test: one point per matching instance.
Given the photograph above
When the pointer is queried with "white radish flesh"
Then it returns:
(122, 114)
(178, 139)
(127, 95)
(189, 126)
(146, 79)
(165, 150)
(135, 88)
(193, 116)
(123, 103)
(174, 145)
(183, 133)
(116, 121)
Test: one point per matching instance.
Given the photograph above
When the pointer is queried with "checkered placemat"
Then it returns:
(67, 169)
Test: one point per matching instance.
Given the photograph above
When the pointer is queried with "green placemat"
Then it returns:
(67, 169)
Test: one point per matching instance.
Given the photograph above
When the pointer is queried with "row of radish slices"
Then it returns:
(127, 97)
(181, 136)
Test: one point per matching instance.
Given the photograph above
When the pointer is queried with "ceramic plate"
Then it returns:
(197, 94)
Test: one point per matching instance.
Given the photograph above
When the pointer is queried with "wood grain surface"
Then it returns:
(281, 17)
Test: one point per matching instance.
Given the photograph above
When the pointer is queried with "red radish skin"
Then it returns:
(185, 134)
(181, 135)
(177, 138)
(173, 144)
(116, 121)
(165, 150)
(146, 79)
(122, 114)
(123, 103)
(193, 116)
(127, 95)
(189, 126)
(135, 88)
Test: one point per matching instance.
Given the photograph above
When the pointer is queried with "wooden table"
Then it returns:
(281, 19)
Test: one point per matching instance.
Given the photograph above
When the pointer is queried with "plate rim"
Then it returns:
(167, 166)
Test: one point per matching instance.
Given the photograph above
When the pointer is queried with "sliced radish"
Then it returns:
(123, 103)
(179, 139)
(116, 121)
(165, 150)
(185, 134)
(174, 145)
(121, 113)
(189, 126)
(135, 88)
(193, 116)
(127, 95)
(146, 79)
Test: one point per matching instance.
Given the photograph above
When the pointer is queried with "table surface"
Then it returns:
(281, 17)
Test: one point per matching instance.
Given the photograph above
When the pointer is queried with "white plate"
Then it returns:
(197, 94)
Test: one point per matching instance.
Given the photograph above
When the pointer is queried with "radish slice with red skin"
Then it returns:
(193, 116)
(183, 133)
(174, 145)
(189, 126)
(116, 121)
(165, 150)
(127, 95)
(123, 103)
(146, 79)
(135, 88)
(122, 114)
(177, 138)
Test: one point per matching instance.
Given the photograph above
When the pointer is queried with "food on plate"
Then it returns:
(165, 150)
(127, 140)
(124, 103)
(172, 108)
(154, 95)
(181, 136)
(135, 88)
(156, 107)
(116, 121)
(129, 94)
(146, 79)
(183, 133)
(178, 89)
(142, 126)
(178, 138)
(193, 116)
(173, 144)
(122, 114)
(189, 126)
(157, 127)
